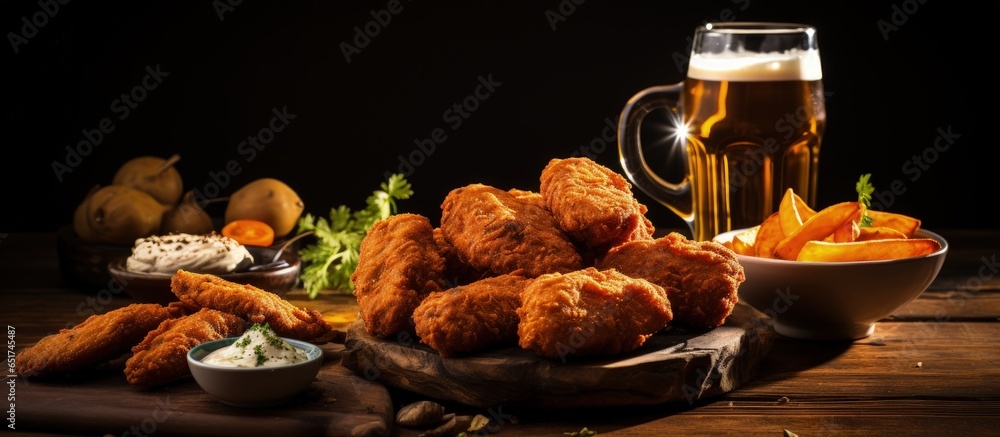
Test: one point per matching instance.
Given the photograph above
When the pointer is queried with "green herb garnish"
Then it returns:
(259, 352)
(865, 190)
(330, 261)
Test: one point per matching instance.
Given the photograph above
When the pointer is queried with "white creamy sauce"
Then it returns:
(259, 346)
(212, 253)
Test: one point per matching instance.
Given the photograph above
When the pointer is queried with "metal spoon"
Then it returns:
(276, 262)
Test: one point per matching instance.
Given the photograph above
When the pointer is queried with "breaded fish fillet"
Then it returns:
(398, 265)
(496, 232)
(472, 317)
(701, 278)
(590, 312)
(197, 290)
(98, 339)
(592, 203)
(161, 357)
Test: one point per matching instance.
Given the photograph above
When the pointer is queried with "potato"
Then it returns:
(768, 236)
(825, 222)
(743, 243)
(870, 250)
(793, 211)
(878, 233)
(900, 222)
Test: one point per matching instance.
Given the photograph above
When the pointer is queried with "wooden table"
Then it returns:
(933, 368)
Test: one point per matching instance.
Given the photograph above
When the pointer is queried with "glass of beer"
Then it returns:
(748, 120)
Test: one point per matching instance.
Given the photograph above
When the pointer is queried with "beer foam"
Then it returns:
(756, 67)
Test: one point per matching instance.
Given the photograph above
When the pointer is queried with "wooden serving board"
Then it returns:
(672, 366)
(339, 403)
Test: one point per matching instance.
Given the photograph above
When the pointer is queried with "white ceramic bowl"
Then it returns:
(834, 300)
(256, 386)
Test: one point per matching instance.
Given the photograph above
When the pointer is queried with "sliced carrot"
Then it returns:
(249, 232)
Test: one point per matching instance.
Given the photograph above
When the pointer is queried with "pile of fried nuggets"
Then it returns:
(570, 270)
(153, 339)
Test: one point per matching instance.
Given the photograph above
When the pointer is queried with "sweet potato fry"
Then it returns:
(793, 211)
(878, 233)
(818, 227)
(846, 233)
(743, 243)
(900, 222)
(870, 250)
(768, 236)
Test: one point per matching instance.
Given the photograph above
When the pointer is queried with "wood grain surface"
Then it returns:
(672, 366)
(338, 403)
(930, 369)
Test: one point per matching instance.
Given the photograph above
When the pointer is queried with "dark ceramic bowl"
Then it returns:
(155, 287)
(254, 386)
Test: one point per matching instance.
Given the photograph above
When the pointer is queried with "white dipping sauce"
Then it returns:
(259, 346)
(213, 253)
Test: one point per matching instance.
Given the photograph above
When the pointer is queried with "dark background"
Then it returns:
(890, 91)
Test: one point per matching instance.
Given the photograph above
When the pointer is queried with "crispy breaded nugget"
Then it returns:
(472, 317)
(590, 312)
(398, 265)
(532, 197)
(592, 203)
(496, 232)
(98, 339)
(197, 290)
(701, 278)
(161, 357)
(456, 272)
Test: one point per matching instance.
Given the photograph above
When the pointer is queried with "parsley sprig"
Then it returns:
(865, 190)
(330, 261)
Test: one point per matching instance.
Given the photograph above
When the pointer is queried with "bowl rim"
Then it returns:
(116, 267)
(924, 233)
(313, 352)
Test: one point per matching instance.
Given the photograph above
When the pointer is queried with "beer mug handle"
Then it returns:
(676, 196)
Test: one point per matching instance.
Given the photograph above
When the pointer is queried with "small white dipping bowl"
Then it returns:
(254, 386)
(834, 300)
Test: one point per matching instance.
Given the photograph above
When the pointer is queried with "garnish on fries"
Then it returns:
(846, 231)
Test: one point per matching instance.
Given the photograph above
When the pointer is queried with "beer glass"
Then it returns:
(748, 118)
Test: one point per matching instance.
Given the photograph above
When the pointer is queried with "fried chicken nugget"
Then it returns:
(98, 339)
(701, 278)
(532, 197)
(494, 231)
(592, 203)
(398, 265)
(472, 317)
(590, 312)
(161, 357)
(198, 290)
